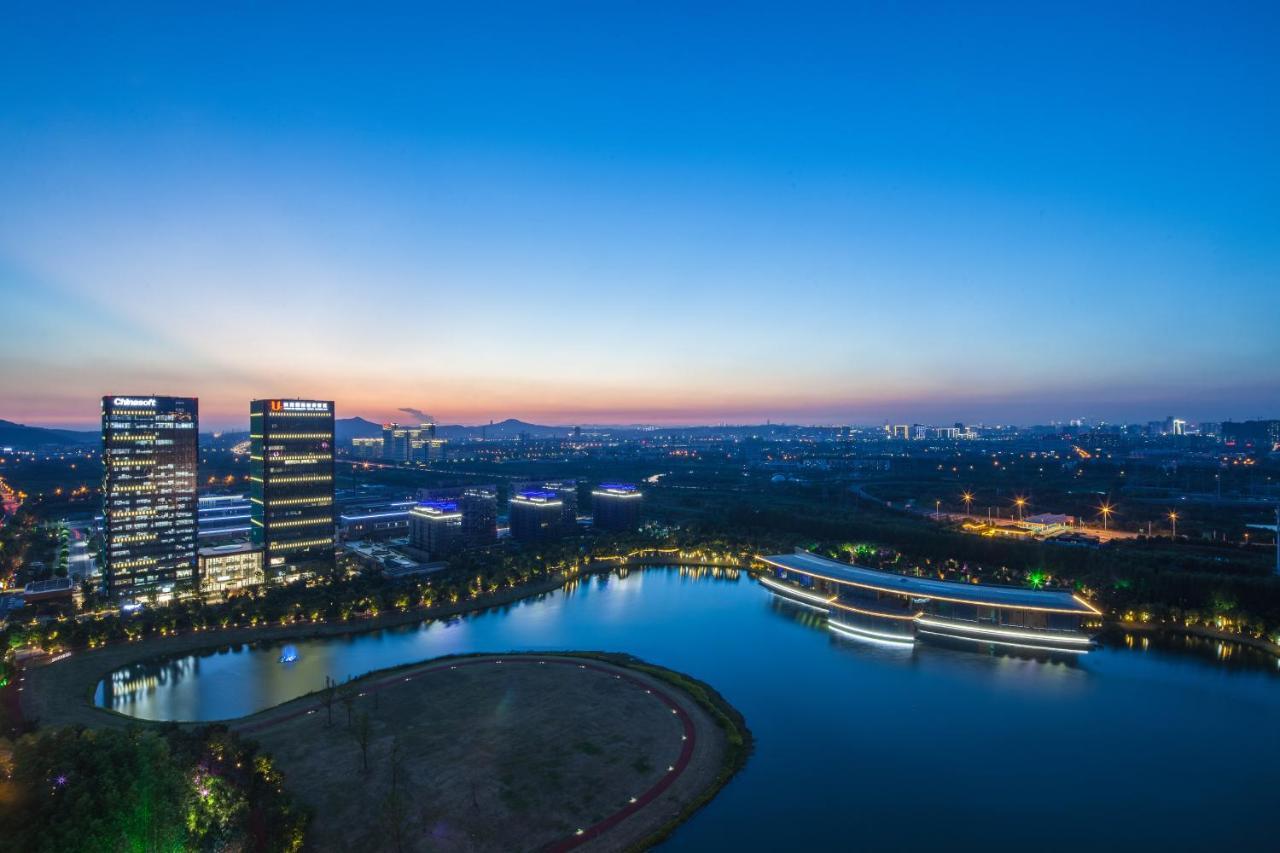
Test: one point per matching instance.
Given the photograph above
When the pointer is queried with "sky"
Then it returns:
(655, 212)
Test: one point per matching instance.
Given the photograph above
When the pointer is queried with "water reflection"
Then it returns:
(604, 611)
(847, 730)
(131, 684)
(1207, 649)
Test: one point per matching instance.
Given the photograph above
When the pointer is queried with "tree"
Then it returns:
(364, 731)
(395, 808)
(326, 698)
(348, 700)
(97, 790)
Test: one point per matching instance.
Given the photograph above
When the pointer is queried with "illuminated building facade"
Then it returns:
(616, 506)
(380, 520)
(478, 505)
(291, 485)
(410, 444)
(366, 448)
(223, 518)
(566, 491)
(436, 528)
(150, 449)
(227, 568)
(536, 516)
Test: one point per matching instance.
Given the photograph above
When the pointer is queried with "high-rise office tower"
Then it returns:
(410, 444)
(291, 485)
(150, 450)
(616, 506)
(395, 442)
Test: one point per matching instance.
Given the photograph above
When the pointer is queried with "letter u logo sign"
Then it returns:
(276, 405)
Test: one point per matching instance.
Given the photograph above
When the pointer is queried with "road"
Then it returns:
(81, 563)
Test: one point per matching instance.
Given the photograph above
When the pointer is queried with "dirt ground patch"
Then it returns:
(520, 752)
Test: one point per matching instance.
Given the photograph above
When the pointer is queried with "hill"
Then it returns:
(23, 437)
(345, 429)
(508, 429)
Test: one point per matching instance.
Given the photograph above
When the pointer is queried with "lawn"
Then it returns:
(488, 756)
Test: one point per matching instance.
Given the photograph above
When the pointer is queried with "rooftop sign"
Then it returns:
(299, 406)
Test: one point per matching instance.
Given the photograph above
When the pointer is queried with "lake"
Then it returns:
(858, 745)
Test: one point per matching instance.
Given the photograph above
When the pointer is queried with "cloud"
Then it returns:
(422, 416)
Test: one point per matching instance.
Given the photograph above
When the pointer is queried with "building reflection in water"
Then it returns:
(132, 683)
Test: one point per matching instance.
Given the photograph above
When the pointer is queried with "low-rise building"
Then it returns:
(56, 593)
(227, 568)
(383, 520)
(1046, 523)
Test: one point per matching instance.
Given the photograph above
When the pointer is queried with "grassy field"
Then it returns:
(488, 756)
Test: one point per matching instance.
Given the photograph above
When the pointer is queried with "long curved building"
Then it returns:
(897, 609)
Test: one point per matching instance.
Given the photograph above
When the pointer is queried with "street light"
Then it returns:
(1173, 517)
(967, 497)
(937, 510)
(1106, 509)
(1020, 502)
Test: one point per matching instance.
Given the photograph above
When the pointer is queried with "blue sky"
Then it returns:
(644, 212)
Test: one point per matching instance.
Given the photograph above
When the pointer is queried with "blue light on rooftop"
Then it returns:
(538, 495)
(442, 506)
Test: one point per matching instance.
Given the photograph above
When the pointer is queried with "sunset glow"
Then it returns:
(669, 236)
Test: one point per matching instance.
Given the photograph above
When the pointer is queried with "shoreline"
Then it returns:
(105, 659)
(1200, 631)
(42, 677)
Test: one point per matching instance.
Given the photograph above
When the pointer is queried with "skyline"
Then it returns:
(643, 216)
(408, 416)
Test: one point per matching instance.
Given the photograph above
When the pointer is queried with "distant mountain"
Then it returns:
(508, 429)
(345, 429)
(23, 437)
(357, 427)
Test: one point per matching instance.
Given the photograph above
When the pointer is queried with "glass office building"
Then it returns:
(291, 486)
(150, 450)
